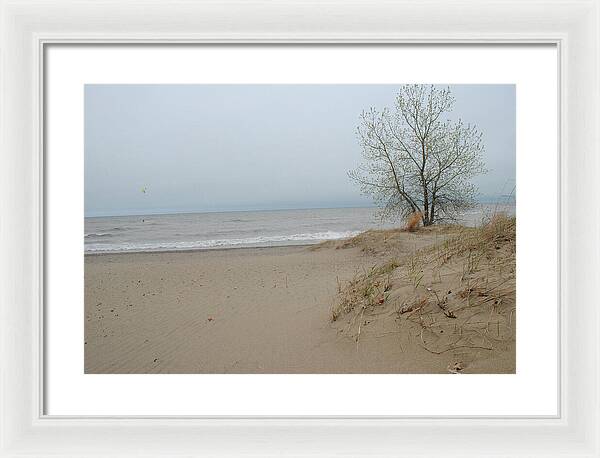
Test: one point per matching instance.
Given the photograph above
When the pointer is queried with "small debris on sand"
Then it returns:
(456, 368)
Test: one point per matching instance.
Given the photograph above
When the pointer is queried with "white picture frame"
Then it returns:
(27, 27)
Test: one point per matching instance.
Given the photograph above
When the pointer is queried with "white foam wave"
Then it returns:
(98, 234)
(275, 240)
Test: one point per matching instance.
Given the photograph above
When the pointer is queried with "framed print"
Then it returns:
(301, 284)
(285, 229)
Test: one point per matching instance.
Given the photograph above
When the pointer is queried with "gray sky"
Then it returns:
(245, 147)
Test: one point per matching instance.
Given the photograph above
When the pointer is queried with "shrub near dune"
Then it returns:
(412, 222)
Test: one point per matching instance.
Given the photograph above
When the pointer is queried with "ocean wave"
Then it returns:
(98, 234)
(274, 240)
(106, 232)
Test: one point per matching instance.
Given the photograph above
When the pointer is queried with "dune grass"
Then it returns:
(456, 291)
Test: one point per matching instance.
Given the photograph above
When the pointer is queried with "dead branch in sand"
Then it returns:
(452, 346)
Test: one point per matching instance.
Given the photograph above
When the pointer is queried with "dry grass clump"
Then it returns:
(365, 291)
(499, 232)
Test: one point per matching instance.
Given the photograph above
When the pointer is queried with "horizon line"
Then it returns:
(187, 212)
(486, 199)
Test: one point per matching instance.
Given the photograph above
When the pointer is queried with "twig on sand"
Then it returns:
(510, 316)
(359, 327)
(386, 334)
(452, 346)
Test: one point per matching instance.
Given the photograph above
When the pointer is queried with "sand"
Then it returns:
(254, 310)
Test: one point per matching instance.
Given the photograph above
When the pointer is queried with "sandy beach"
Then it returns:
(269, 310)
(360, 229)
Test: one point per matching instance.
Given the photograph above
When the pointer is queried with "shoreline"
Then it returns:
(230, 234)
(195, 250)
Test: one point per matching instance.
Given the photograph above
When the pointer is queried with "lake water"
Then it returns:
(194, 231)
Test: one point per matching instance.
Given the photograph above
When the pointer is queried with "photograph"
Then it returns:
(300, 228)
(270, 229)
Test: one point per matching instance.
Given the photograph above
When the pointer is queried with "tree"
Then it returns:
(416, 161)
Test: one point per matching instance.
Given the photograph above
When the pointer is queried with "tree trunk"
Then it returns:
(426, 221)
(425, 217)
(432, 214)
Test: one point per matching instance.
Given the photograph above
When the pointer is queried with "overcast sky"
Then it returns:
(245, 147)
